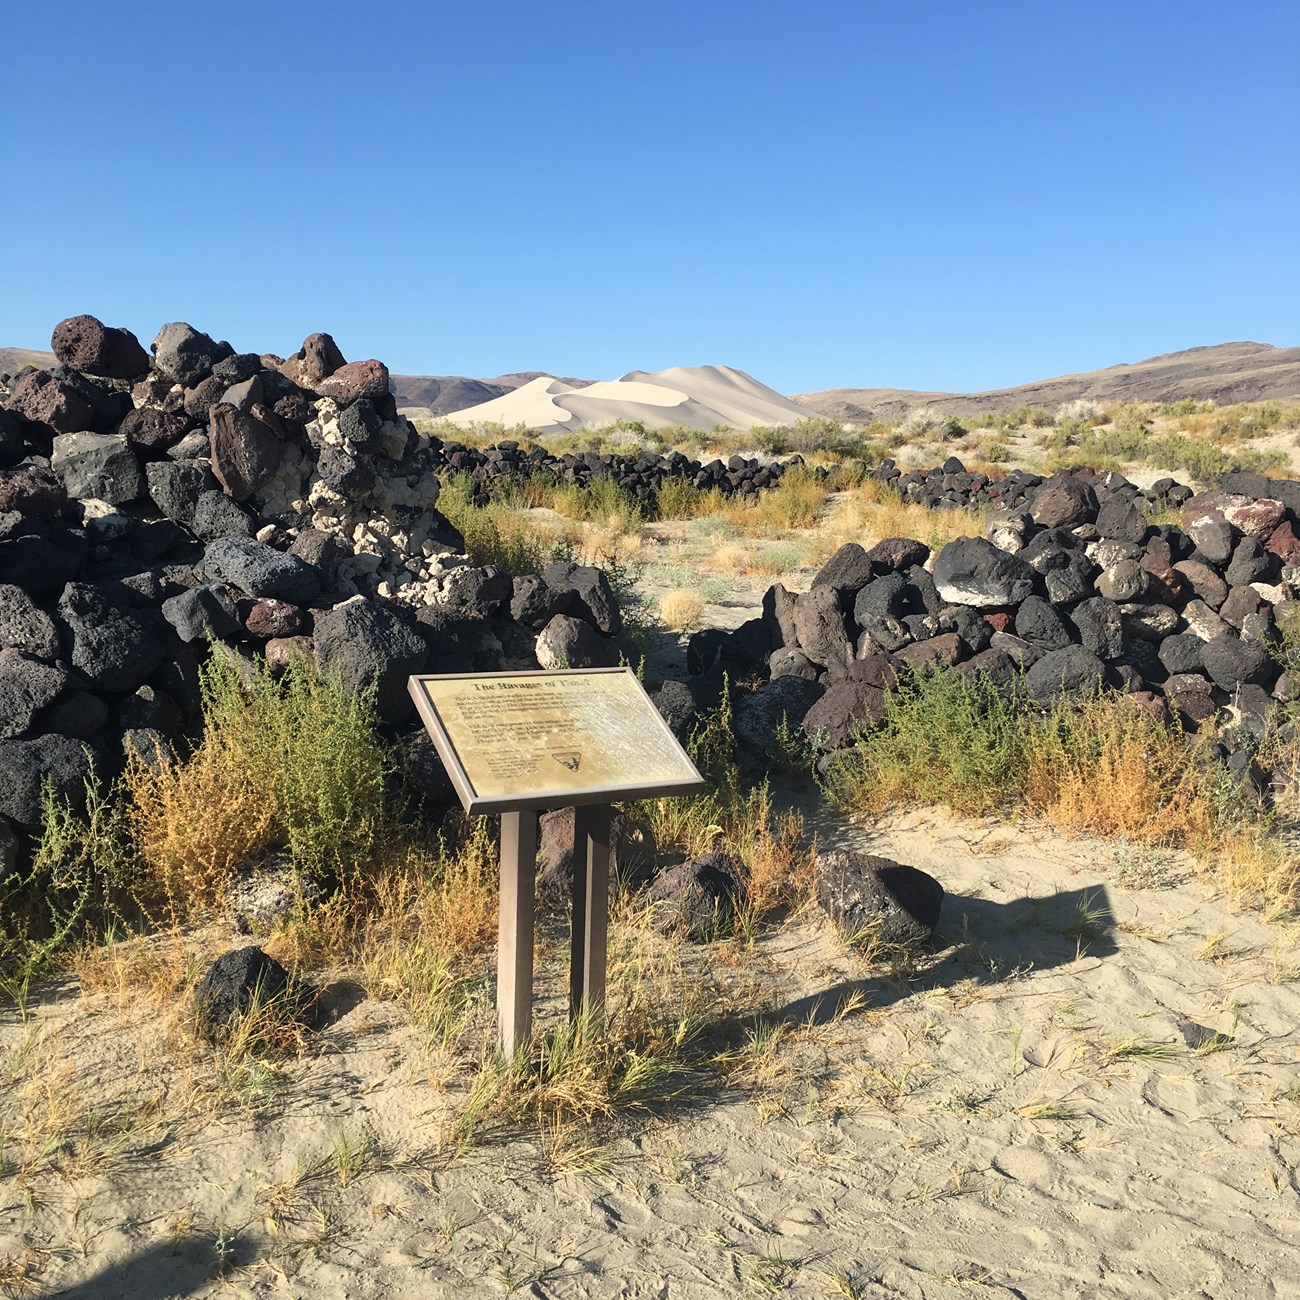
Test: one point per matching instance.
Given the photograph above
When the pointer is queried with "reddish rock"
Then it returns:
(879, 670)
(1256, 519)
(41, 398)
(32, 490)
(360, 379)
(86, 344)
(1158, 561)
(206, 393)
(846, 709)
(1283, 542)
(317, 359)
(944, 649)
(1146, 702)
(1000, 622)
(1062, 501)
(273, 619)
(245, 451)
(149, 426)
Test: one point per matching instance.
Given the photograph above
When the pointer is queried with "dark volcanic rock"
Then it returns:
(113, 648)
(364, 642)
(873, 900)
(820, 627)
(568, 642)
(848, 570)
(202, 614)
(591, 586)
(25, 765)
(846, 709)
(24, 626)
(258, 570)
(186, 355)
(972, 571)
(757, 717)
(26, 686)
(1073, 672)
(231, 985)
(43, 399)
(99, 465)
(699, 897)
(1231, 661)
(1062, 501)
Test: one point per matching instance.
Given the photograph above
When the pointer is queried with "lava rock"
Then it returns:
(591, 586)
(27, 765)
(364, 643)
(972, 571)
(258, 570)
(88, 345)
(757, 718)
(567, 642)
(114, 649)
(875, 900)
(245, 450)
(99, 465)
(231, 986)
(1072, 672)
(698, 898)
(32, 490)
(186, 355)
(845, 710)
(26, 686)
(820, 628)
(204, 613)
(25, 626)
(847, 571)
(1230, 661)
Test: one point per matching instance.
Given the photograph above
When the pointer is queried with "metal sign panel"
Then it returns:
(528, 740)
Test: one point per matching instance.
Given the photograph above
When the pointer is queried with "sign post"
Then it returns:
(516, 743)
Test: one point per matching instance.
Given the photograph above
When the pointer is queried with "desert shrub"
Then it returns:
(1109, 769)
(681, 610)
(294, 764)
(679, 498)
(498, 533)
(922, 423)
(797, 501)
(1082, 410)
(948, 738)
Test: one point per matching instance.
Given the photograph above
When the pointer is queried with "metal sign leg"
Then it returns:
(591, 826)
(515, 934)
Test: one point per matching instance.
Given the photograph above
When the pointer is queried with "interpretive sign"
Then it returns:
(536, 739)
(515, 743)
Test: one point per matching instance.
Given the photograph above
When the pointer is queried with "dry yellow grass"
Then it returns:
(872, 511)
(683, 611)
(1115, 771)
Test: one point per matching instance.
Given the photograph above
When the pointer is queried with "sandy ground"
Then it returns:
(1090, 1089)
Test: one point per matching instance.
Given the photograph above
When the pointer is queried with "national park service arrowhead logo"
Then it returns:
(569, 758)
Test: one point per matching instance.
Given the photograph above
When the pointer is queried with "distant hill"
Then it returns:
(13, 360)
(1224, 373)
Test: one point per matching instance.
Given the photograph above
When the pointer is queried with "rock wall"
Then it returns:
(1070, 586)
(156, 503)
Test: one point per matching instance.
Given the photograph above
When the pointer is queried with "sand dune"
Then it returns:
(699, 397)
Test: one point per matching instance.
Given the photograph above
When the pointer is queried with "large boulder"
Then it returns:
(88, 345)
(591, 587)
(186, 355)
(98, 465)
(1232, 662)
(32, 490)
(26, 686)
(365, 642)
(757, 718)
(27, 765)
(44, 399)
(874, 900)
(204, 613)
(245, 450)
(568, 642)
(972, 571)
(25, 626)
(112, 647)
(1072, 672)
(259, 570)
(820, 627)
(848, 570)
(1063, 501)
(847, 708)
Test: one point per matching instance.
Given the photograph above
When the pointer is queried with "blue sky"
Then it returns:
(927, 194)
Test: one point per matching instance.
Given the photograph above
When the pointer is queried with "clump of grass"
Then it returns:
(501, 532)
(797, 501)
(681, 610)
(873, 510)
